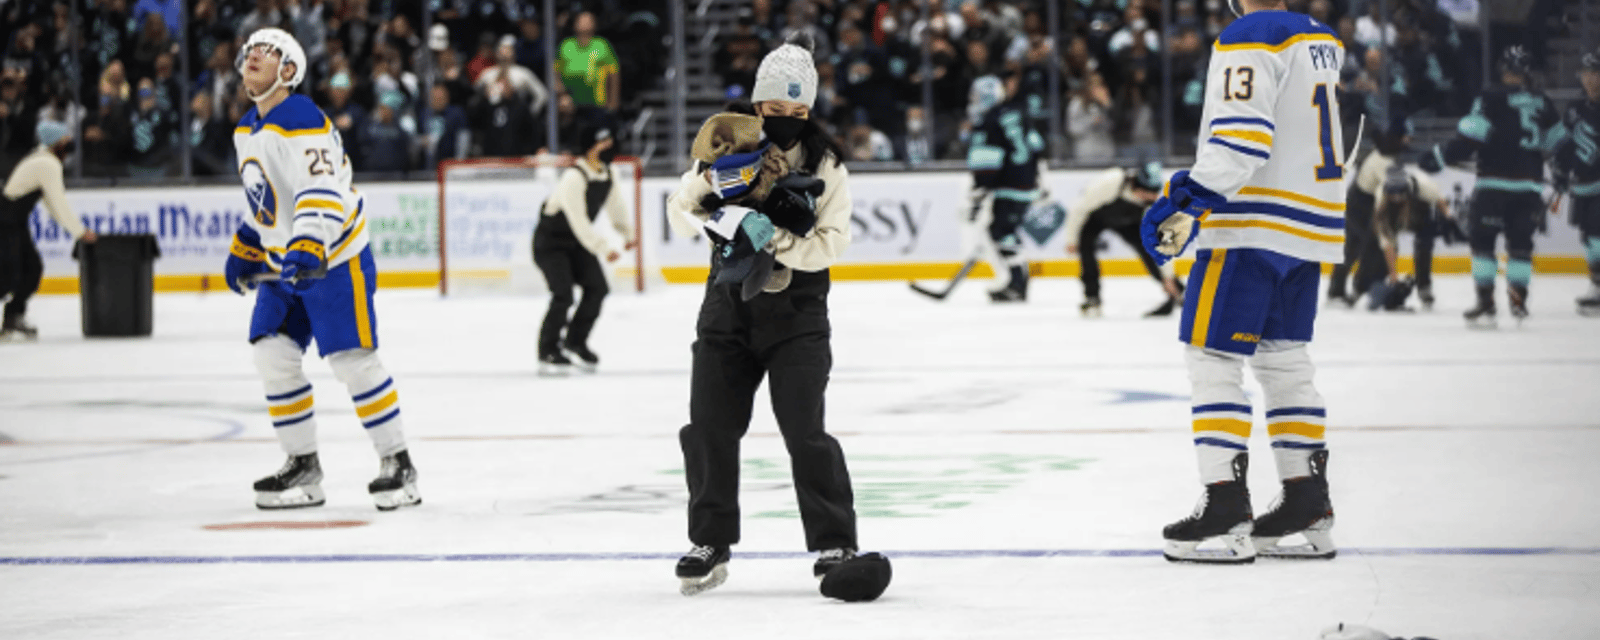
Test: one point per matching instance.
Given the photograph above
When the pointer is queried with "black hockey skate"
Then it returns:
(1481, 316)
(298, 484)
(1303, 508)
(582, 358)
(1165, 309)
(1589, 304)
(18, 330)
(1008, 294)
(702, 569)
(1425, 296)
(1518, 298)
(1090, 307)
(830, 558)
(554, 364)
(1223, 514)
(396, 484)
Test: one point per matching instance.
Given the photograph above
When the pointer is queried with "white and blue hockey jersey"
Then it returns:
(297, 180)
(1270, 141)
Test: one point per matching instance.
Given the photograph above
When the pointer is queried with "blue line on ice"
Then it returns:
(755, 555)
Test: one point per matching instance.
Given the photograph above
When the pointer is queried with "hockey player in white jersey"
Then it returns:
(304, 248)
(1265, 202)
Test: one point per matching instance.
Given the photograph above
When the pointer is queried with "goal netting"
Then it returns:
(488, 209)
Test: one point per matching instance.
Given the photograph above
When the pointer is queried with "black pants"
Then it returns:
(565, 264)
(786, 338)
(1005, 219)
(1586, 213)
(21, 270)
(1359, 246)
(1089, 249)
(1513, 213)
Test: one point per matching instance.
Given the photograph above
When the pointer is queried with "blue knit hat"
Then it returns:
(51, 132)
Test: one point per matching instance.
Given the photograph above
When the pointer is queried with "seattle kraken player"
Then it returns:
(1004, 159)
(1510, 129)
(306, 223)
(1577, 163)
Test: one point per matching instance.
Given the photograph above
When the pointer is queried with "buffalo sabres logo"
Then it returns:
(258, 189)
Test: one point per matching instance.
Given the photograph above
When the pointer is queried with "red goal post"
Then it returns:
(494, 195)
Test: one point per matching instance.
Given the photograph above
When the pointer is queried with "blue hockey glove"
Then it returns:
(302, 265)
(246, 259)
(1172, 223)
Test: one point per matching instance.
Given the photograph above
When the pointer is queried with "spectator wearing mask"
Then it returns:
(448, 133)
(154, 130)
(348, 117)
(1089, 122)
(386, 146)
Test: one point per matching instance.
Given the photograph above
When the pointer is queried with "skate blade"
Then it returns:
(555, 370)
(1483, 325)
(1318, 546)
(405, 496)
(697, 586)
(296, 498)
(1238, 548)
(1589, 311)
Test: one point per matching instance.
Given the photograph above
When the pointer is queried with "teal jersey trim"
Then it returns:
(1586, 189)
(1474, 127)
(1501, 184)
(1019, 195)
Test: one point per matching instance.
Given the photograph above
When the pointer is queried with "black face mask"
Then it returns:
(608, 155)
(783, 130)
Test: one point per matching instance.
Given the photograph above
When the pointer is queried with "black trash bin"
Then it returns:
(116, 284)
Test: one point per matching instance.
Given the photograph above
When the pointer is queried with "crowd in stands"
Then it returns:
(113, 70)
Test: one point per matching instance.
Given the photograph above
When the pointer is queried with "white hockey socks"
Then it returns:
(289, 398)
(377, 402)
(1221, 413)
(1296, 416)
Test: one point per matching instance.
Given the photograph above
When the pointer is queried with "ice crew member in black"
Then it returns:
(567, 248)
(1115, 201)
(1578, 171)
(37, 176)
(1510, 129)
(781, 332)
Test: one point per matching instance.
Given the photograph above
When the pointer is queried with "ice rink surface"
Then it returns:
(1017, 463)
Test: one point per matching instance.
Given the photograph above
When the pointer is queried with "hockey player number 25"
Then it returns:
(320, 163)
(1330, 168)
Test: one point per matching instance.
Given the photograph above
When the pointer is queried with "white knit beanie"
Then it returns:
(788, 73)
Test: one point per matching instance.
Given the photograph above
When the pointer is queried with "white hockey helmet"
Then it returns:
(987, 91)
(288, 49)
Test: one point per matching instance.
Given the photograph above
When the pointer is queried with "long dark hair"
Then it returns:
(815, 140)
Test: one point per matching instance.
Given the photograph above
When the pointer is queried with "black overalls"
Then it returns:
(21, 268)
(565, 263)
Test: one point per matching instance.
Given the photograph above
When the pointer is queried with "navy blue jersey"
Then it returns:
(1579, 155)
(1510, 130)
(1005, 149)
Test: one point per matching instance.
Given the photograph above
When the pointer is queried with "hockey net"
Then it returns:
(488, 209)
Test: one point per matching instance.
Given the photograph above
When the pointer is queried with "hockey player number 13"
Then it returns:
(1330, 168)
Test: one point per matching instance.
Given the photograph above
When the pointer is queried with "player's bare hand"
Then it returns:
(89, 237)
(630, 245)
(613, 256)
(1072, 249)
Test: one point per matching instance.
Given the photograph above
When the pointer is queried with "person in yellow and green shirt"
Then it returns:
(588, 67)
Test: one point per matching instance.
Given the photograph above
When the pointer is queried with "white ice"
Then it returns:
(1016, 462)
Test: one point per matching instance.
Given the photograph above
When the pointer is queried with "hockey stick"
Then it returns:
(940, 295)
(274, 276)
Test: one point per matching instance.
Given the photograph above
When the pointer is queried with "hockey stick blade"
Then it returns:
(940, 295)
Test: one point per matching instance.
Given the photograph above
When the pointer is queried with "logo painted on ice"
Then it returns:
(258, 189)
